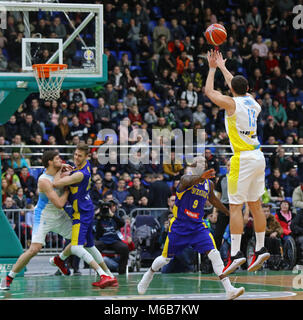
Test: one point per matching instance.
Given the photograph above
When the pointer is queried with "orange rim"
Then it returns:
(43, 70)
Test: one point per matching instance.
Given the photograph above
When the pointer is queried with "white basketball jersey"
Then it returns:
(44, 206)
(241, 127)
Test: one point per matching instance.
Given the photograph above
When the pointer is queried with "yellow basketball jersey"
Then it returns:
(241, 127)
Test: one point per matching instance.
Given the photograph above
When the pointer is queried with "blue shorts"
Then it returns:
(82, 233)
(181, 237)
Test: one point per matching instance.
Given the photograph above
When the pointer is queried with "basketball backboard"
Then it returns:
(51, 32)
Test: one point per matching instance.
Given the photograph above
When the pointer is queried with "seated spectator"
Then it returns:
(121, 192)
(296, 228)
(11, 128)
(129, 205)
(137, 190)
(107, 238)
(297, 196)
(78, 129)
(17, 162)
(294, 114)
(143, 203)
(134, 115)
(110, 95)
(261, 46)
(20, 199)
(278, 112)
(271, 62)
(28, 183)
(97, 192)
(108, 182)
(291, 182)
(173, 170)
(190, 95)
(62, 131)
(284, 217)
(276, 193)
(130, 99)
(275, 175)
(12, 216)
(85, 115)
(77, 95)
(150, 117)
(30, 128)
(279, 160)
(273, 235)
(212, 161)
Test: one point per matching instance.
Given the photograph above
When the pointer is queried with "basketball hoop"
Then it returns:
(49, 78)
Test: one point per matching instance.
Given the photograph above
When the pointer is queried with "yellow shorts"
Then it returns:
(246, 179)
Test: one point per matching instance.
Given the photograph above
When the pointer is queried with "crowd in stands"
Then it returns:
(157, 69)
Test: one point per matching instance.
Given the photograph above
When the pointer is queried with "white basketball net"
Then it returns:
(50, 87)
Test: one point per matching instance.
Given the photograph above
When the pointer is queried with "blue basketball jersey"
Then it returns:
(189, 205)
(79, 198)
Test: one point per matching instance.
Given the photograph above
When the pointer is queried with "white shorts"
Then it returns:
(61, 225)
(246, 179)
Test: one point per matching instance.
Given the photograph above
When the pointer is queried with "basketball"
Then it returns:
(215, 34)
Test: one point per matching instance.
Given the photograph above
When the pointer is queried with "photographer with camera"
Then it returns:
(108, 225)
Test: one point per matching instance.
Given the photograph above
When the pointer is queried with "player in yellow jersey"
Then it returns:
(246, 179)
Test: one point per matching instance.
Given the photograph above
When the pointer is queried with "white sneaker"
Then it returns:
(145, 281)
(234, 293)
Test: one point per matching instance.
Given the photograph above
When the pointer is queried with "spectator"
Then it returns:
(120, 35)
(190, 96)
(261, 46)
(296, 228)
(278, 113)
(284, 217)
(116, 79)
(97, 192)
(121, 192)
(160, 30)
(273, 235)
(174, 169)
(279, 81)
(62, 131)
(108, 182)
(77, 129)
(11, 128)
(276, 193)
(183, 112)
(129, 205)
(137, 190)
(166, 214)
(297, 196)
(20, 199)
(30, 128)
(254, 18)
(159, 192)
(58, 28)
(272, 128)
(255, 62)
(124, 13)
(212, 161)
(28, 183)
(77, 95)
(279, 160)
(12, 216)
(271, 62)
(17, 161)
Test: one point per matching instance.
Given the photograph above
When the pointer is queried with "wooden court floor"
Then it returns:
(261, 285)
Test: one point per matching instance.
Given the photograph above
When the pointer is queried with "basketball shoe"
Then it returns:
(105, 281)
(233, 263)
(258, 259)
(57, 262)
(234, 293)
(145, 281)
(6, 283)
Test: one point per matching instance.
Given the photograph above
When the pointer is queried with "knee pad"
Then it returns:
(95, 254)
(216, 260)
(80, 252)
(160, 262)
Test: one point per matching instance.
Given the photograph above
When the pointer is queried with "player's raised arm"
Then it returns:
(215, 201)
(187, 181)
(46, 187)
(60, 182)
(222, 101)
(221, 65)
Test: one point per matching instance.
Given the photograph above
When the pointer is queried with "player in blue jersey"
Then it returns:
(188, 228)
(82, 241)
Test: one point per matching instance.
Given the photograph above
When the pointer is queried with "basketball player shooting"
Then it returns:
(246, 180)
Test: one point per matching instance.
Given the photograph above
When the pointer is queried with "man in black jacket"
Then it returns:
(108, 225)
(296, 227)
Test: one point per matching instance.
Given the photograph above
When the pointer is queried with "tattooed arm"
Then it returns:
(216, 202)
(188, 180)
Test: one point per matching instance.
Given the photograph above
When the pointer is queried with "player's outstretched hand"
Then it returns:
(220, 60)
(209, 174)
(212, 59)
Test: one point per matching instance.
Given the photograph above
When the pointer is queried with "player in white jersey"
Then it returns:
(246, 179)
(49, 216)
